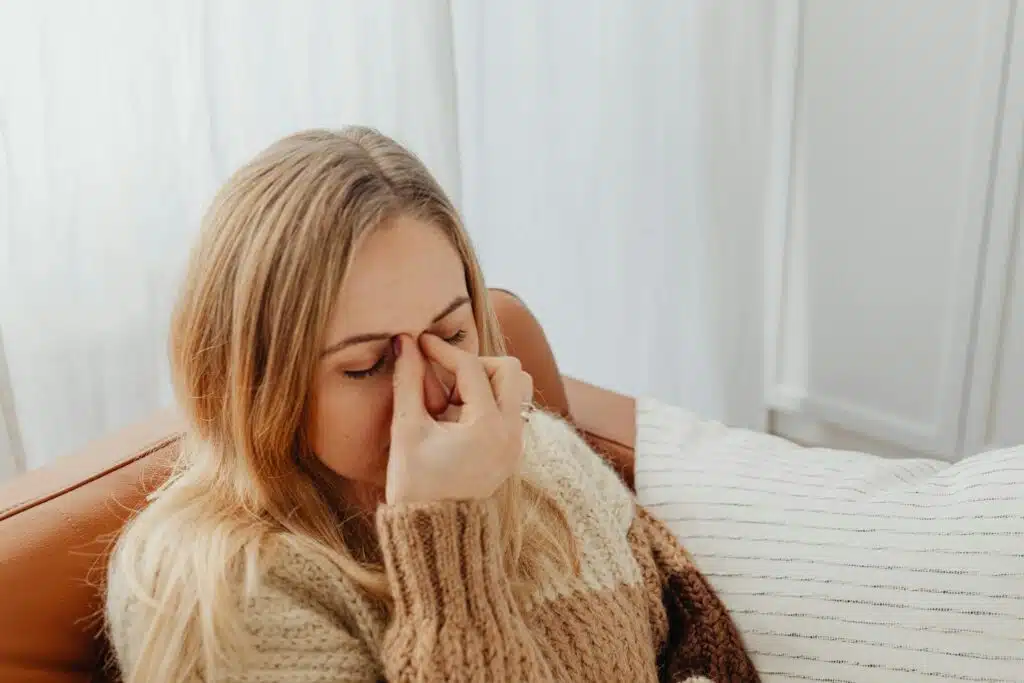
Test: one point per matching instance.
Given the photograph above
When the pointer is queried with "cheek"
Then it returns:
(351, 429)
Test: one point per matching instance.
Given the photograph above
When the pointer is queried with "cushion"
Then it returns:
(843, 566)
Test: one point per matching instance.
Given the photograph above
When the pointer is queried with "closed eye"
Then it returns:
(384, 360)
(456, 338)
(368, 372)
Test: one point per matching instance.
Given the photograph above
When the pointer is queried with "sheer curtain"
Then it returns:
(118, 120)
(613, 164)
(570, 133)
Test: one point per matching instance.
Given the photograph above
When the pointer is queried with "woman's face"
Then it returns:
(405, 277)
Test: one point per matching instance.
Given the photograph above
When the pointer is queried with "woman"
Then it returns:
(365, 493)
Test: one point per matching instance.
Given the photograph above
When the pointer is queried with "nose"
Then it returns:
(438, 386)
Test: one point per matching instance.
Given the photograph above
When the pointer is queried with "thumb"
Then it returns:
(410, 367)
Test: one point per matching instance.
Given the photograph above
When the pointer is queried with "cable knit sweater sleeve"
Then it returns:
(454, 617)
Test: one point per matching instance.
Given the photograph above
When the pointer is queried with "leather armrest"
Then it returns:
(608, 422)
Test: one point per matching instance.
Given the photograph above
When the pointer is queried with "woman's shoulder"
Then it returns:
(553, 445)
(255, 592)
(558, 460)
(161, 545)
(249, 572)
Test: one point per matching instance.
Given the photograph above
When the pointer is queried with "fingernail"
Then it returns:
(396, 345)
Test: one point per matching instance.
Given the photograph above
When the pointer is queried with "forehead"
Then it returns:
(401, 275)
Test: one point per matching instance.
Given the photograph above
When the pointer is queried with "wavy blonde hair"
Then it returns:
(245, 338)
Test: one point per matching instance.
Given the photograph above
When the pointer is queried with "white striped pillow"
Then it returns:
(841, 566)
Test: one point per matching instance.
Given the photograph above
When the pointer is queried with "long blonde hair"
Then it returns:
(245, 338)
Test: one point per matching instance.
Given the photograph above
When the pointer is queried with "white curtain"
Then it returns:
(571, 134)
(579, 148)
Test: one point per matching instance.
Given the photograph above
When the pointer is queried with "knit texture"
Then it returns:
(638, 610)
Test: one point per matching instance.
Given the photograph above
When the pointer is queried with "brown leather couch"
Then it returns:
(56, 524)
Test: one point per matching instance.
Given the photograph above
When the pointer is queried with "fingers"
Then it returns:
(511, 385)
(410, 367)
(471, 381)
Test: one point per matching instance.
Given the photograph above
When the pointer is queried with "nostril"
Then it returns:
(437, 395)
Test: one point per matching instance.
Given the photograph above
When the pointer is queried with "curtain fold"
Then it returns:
(735, 53)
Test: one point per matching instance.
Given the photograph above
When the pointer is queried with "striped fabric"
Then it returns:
(846, 567)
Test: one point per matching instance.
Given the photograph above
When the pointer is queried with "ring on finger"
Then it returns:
(526, 409)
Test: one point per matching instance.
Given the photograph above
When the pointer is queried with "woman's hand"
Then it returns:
(465, 459)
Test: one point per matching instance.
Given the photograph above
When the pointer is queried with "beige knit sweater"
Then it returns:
(638, 611)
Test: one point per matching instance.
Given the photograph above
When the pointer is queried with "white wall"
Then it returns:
(888, 164)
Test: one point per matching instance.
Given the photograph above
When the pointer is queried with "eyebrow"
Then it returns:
(456, 303)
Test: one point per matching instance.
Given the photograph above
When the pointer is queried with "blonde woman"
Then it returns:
(365, 493)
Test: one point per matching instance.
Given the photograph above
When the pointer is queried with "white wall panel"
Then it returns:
(997, 375)
(882, 216)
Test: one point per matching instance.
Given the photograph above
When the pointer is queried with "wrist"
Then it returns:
(441, 554)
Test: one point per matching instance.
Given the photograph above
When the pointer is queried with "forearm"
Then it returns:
(455, 618)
